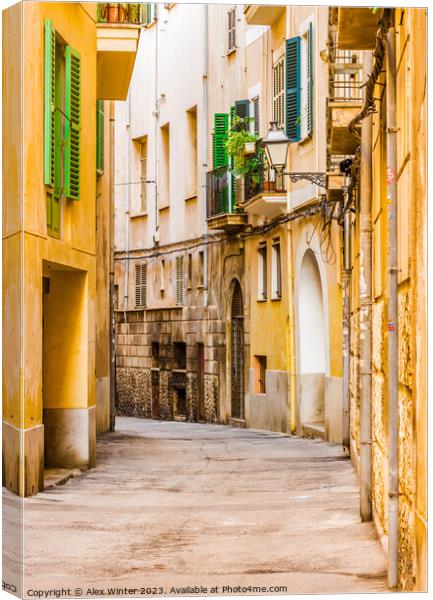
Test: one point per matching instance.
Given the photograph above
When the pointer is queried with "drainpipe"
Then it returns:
(128, 204)
(112, 314)
(291, 337)
(365, 297)
(156, 134)
(346, 314)
(391, 151)
(204, 150)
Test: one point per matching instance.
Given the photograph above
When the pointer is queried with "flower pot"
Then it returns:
(122, 14)
(250, 148)
(112, 13)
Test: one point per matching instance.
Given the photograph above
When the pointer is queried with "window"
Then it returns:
(162, 277)
(116, 297)
(179, 280)
(201, 268)
(179, 355)
(189, 284)
(143, 175)
(191, 169)
(62, 118)
(278, 91)
(256, 114)
(231, 30)
(262, 292)
(53, 214)
(155, 355)
(276, 270)
(259, 374)
(306, 116)
(141, 285)
(99, 137)
(164, 180)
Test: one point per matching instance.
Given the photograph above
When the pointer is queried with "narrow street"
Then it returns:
(180, 504)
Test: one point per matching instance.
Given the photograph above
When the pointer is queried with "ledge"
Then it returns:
(256, 14)
(227, 221)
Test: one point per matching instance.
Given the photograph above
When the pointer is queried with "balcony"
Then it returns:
(118, 32)
(265, 194)
(357, 28)
(256, 14)
(223, 212)
(345, 98)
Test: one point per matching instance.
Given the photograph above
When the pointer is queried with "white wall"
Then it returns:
(311, 318)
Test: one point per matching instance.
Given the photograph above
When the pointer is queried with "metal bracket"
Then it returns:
(316, 178)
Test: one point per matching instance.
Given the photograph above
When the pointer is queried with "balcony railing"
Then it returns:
(345, 70)
(263, 181)
(122, 12)
(221, 192)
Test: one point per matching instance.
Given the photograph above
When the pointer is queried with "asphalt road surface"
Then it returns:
(174, 506)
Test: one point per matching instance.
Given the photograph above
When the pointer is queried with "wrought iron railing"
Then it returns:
(221, 192)
(345, 72)
(263, 180)
(123, 12)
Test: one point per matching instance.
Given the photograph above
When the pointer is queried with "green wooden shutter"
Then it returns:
(310, 80)
(233, 114)
(293, 88)
(100, 137)
(72, 125)
(242, 108)
(221, 125)
(49, 101)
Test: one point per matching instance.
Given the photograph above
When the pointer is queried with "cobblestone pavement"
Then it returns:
(172, 505)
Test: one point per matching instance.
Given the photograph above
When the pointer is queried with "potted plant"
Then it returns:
(112, 12)
(250, 147)
(123, 11)
(242, 147)
(134, 10)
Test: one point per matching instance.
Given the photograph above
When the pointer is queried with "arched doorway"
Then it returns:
(312, 343)
(237, 354)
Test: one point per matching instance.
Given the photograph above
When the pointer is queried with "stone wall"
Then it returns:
(380, 420)
(147, 385)
(406, 443)
(354, 389)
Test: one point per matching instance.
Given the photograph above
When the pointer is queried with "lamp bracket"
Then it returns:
(316, 178)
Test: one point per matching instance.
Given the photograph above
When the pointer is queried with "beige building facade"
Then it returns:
(181, 249)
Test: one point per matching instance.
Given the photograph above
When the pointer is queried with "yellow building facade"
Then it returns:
(409, 112)
(56, 393)
(293, 279)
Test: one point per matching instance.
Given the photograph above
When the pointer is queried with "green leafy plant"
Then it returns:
(237, 136)
(133, 10)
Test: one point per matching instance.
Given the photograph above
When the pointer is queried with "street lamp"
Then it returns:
(276, 145)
